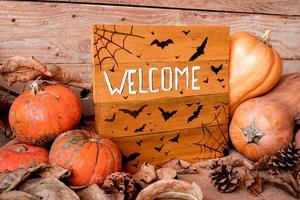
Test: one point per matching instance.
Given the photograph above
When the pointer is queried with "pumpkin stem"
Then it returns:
(252, 133)
(21, 149)
(35, 87)
(266, 37)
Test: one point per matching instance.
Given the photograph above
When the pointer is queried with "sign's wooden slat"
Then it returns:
(191, 145)
(121, 119)
(181, 84)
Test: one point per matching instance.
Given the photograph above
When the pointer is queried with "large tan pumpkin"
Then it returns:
(264, 125)
(255, 67)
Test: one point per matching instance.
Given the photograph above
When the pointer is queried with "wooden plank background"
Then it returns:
(59, 31)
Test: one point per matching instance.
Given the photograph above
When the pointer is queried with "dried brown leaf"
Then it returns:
(92, 192)
(17, 195)
(145, 175)
(48, 189)
(166, 173)
(181, 166)
(20, 69)
(262, 163)
(253, 183)
(171, 189)
(54, 172)
(9, 180)
(285, 180)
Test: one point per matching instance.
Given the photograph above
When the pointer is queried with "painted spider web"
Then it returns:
(106, 41)
(212, 142)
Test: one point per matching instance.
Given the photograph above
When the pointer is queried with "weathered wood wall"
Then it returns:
(59, 31)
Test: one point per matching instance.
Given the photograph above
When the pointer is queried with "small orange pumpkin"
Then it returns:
(88, 157)
(38, 116)
(255, 67)
(15, 156)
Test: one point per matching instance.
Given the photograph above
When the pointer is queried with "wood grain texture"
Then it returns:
(60, 33)
(191, 145)
(283, 7)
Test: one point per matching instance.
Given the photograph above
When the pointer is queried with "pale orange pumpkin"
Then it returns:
(255, 67)
(264, 125)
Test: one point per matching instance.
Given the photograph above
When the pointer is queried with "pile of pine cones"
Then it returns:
(282, 169)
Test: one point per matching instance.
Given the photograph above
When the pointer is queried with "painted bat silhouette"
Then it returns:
(133, 113)
(195, 114)
(162, 138)
(216, 107)
(166, 153)
(112, 119)
(133, 156)
(159, 148)
(177, 57)
(162, 44)
(167, 115)
(126, 128)
(216, 69)
(175, 139)
(199, 50)
(140, 129)
(135, 165)
(186, 32)
(189, 104)
(220, 80)
(125, 97)
(139, 143)
(206, 80)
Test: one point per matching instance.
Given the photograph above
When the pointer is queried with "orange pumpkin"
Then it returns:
(264, 125)
(255, 67)
(38, 116)
(88, 157)
(15, 156)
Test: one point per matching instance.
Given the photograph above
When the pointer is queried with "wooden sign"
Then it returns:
(161, 92)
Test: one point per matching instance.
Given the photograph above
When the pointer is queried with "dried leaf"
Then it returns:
(253, 183)
(20, 69)
(262, 163)
(11, 142)
(48, 189)
(54, 172)
(6, 130)
(92, 192)
(145, 175)
(181, 166)
(171, 189)
(9, 180)
(166, 173)
(284, 179)
(17, 195)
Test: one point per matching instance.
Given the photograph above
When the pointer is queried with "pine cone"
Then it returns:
(286, 159)
(223, 177)
(120, 182)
